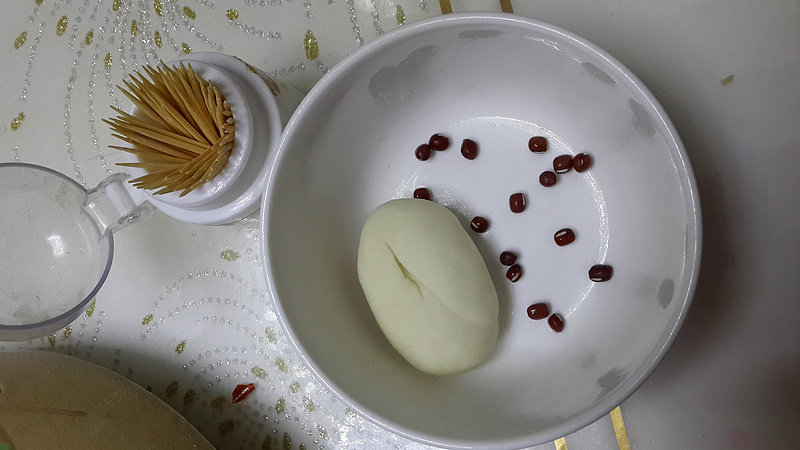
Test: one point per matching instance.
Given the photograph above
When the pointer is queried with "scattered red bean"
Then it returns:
(423, 152)
(601, 272)
(581, 162)
(537, 144)
(508, 258)
(479, 224)
(538, 311)
(564, 236)
(469, 149)
(517, 202)
(547, 178)
(422, 193)
(556, 322)
(514, 273)
(240, 392)
(562, 164)
(439, 142)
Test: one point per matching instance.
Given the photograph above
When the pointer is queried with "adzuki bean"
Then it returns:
(439, 142)
(423, 152)
(601, 272)
(517, 202)
(538, 311)
(422, 193)
(479, 224)
(547, 178)
(537, 144)
(514, 273)
(508, 258)
(469, 149)
(581, 162)
(562, 164)
(556, 322)
(564, 236)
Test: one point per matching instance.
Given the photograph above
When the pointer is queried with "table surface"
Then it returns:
(185, 311)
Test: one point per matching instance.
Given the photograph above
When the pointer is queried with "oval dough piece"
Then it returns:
(428, 286)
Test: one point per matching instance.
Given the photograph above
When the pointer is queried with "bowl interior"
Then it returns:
(497, 80)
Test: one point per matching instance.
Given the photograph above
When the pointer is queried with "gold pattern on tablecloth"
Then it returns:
(61, 26)
(52, 339)
(225, 427)
(229, 255)
(560, 443)
(445, 6)
(107, 61)
(294, 388)
(287, 441)
(258, 372)
(147, 319)
(280, 406)
(271, 336)
(400, 15)
(308, 404)
(188, 398)
(219, 402)
(232, 14)
(20, 40)
(505, 6)
(90, 309)
(180, 347)
(172, 389)
(185, 48)
(311, 46)
(115, 6)
(67, 331)
(16, 122)
(281, 365)
(157, 39)
(158, 7)
(89, 37)
(134, 28)
(188, 12)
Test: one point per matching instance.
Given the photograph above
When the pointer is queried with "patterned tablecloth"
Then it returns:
(185, 311)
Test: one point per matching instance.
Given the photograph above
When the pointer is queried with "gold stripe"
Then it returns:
(505, 6)
(561, 444)
(619, 429)
(445, 6)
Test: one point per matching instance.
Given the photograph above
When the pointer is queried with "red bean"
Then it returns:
(537, 144)
(517, 202)
(469, 149)
(514, 273)
(423, 152)
(564, 236)
(601, 272)
(439, 142)
(556, 322)
(547, 178)
(508, 258)
(538, 311)
(581, 162)
(562, 164)
(422, 193)
(479, 224)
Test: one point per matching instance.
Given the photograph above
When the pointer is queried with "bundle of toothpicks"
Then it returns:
(183, 132)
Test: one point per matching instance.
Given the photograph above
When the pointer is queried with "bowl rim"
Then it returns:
(691, 202)
(38, 329)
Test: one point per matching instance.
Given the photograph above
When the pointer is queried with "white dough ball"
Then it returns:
(428, 286)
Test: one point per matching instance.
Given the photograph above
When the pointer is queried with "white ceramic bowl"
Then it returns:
(498, 79)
